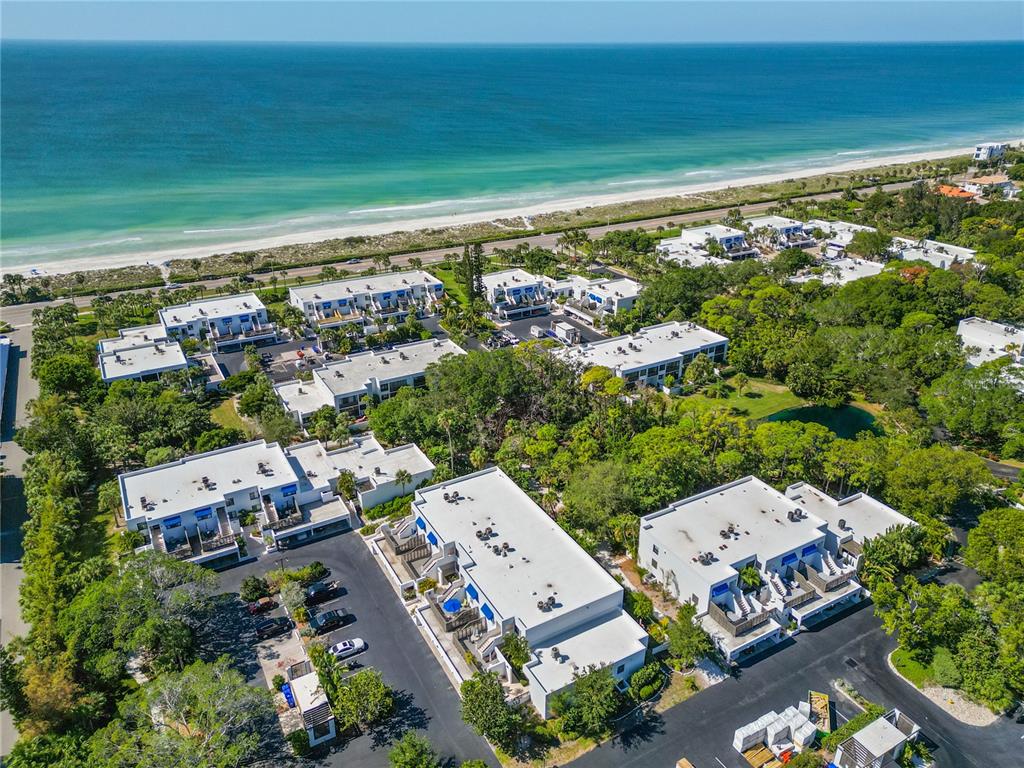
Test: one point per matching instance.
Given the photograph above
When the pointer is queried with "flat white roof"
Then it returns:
(510, 278)
(699, 235)
(773, 222)
(759, 514)
(308, 692)
(542, 561)
(688, 259)
(354, 286)
(879, 737)
(840, 232)
(990, 338)
(842, 271)
(177, 487)
(302, 397)
(367, 459)
(605, 641)
(864, 517)
(141, 360)
(352, 373)
(132, 337)
(219, 306)
(648, 346)
(932, 251)
(622, 287)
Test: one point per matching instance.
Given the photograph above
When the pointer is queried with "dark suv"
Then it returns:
(273, 627)
(329, 620)
(319, 592)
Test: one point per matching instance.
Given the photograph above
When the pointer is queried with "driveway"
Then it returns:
(427, 701)
(851, 646)
(521, 328)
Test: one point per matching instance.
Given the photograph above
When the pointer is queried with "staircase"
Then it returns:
(833, 569)
(777, 584)
(741, 601)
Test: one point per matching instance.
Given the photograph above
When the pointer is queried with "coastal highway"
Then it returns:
(22, 314)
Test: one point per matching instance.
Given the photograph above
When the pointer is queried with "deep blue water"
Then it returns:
(114, 148)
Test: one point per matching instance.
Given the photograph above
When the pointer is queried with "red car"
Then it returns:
(262, 605)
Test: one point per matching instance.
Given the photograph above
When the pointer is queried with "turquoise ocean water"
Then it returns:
(109, 149)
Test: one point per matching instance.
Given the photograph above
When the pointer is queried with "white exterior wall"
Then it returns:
(388, 491)
(680, 578)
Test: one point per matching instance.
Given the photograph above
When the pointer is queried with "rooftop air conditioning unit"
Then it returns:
(842, 524)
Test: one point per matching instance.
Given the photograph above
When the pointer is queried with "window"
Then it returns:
(619, 669)
(654, 564)
(655, 548)
(229, 502)
(253, 495)
(321, 731)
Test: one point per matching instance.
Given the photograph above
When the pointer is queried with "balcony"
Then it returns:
(337, 317)
(739, 624)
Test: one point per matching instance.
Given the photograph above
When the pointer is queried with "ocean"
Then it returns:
(112, 149)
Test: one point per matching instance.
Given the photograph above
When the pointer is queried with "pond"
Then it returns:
(846, 421)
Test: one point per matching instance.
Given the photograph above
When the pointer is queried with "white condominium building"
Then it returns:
(839, 271)
(144, 361)
(505, 566)
(779, 232)
(698, 547)
(591, 300)
(377, 373)
(693, 244)
(652, 353)
(984, 341)
(990, 150)
(228, 321)
(939, 255)
(190, 508)
(514, 294)
(389, 296)
(375, 468)
(838, 235)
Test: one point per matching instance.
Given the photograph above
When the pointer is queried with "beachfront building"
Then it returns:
(851, 522)
(879, 744)
(593, 300)
(190, 508)
(375, 469)
(839, 271)
(985, 341)
(989, 151)
(514, 294)
(779, 232)
(227, 321)
(983, 185)
(698, 547)
(378, 374)
(699, 246)
(838, 235)
(939, 255)
(650, 354)
(385, 298)
(505, 566)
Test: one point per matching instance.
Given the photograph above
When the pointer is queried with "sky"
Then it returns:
(515, 21)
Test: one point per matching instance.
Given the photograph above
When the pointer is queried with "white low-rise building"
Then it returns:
(879, 744)
(190, 508)
(308, 696)
(591, 300)
(989, 151)
(650, 354)
(693, 243)
(839, 271)
(851, 522)
(939, 255)
(387, 297)
(838, 235)
(780, 232)
(514, 294)
(133, 337)
(227, 321)
(375, 468)
(342, 384)
(505, 567)
(697, 548)
(980, 185)
(143, 361)
(984, 341)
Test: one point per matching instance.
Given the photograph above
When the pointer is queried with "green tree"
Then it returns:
(995, 546)
(363, 699)
(67, 374)
(412, 751)
(515, 649)
(869, 245)
(588, 707)
(700, 371)
(688, 643)
(485, 710)
(639, 606)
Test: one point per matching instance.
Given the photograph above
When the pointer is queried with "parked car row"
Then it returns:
(320, 621)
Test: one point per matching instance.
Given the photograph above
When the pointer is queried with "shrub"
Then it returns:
(278, 682)
(871, 713)
(369, 529)
(646, 692)
(397, 507)
(648, 676)
(426, 585)
(314, 572)
(639, 606)
(293, 596)
(253, 588)
(944, 669)
(299, 741)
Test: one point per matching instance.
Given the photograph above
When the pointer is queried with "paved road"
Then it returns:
(22, 314)
(428, 703)
(19, 390)
(701, 728)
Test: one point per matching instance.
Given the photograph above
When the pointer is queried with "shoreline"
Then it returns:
(628, 194)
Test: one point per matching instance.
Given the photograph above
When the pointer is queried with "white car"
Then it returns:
(347, 648)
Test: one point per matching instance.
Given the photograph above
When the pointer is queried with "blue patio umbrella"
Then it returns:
(453, 605)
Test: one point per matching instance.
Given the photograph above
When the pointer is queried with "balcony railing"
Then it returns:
(820, 582)
(214, 543)
(737, 627)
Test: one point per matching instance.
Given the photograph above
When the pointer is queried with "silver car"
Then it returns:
(347, 648)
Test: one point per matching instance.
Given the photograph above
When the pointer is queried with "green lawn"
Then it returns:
(452, 286)
(226, 416)
(761, 398)
(911, 668)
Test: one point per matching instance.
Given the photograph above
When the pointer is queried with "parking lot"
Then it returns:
(521, 328)
(283, 361)
(426, 700)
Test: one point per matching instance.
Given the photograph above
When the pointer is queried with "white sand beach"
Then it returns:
(623, 194)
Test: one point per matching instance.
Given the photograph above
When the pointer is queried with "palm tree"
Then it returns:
(197, 267)
(741, 381)
(403, 478)
(446, 420)
(248, 259)
(416, 262)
